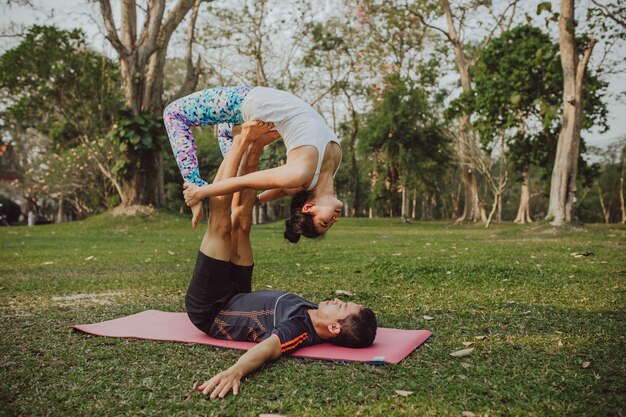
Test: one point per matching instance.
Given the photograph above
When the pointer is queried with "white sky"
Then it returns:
(86, 15)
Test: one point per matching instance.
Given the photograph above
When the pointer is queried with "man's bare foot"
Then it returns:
(253, 129)
(266, 138)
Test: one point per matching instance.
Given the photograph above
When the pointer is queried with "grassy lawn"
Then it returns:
(544, 313)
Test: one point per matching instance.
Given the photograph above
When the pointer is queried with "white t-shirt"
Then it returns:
(297, 122)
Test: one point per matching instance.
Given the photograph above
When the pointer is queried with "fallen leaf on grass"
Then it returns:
(468, 344)
(586, 364)
(480, 337)
(344, 292)
(466, 365)
(403, 393)
(462, 352)
(468, 414)
(596, 376)
(428, 318)
(89, 258)
(169, 252)
(48, 263)
(581, 254)
(271, 415)
(269, 286)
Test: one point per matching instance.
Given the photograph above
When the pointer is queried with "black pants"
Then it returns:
(213, 283)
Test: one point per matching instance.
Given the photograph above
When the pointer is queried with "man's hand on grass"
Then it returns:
(221, 384)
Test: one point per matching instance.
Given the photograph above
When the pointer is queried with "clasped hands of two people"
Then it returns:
(252, 132)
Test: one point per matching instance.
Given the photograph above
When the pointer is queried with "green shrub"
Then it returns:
(10, 209)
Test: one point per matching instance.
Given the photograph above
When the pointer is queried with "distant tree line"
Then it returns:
(82, 132)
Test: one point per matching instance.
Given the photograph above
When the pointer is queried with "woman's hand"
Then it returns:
(196, 214)
(253, 129)
(221, 384)
(193, 194)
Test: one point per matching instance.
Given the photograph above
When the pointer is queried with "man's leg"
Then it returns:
(210, 285)
(241, 258)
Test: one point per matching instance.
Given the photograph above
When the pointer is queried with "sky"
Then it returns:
(69, 14)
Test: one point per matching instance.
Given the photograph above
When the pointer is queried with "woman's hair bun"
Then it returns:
(299, 223)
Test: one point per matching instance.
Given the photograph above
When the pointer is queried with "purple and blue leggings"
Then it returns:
(221, 106)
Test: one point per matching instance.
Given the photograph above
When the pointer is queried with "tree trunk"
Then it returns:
(59, 218)
(255, 214)
(414, 208)
(563, 183)
(472, 211)
(405, 205)
(270, 211)
(606, 214)
(354, 167)
(523, 212)
(142, 184)
(142, 58)
(621, 195)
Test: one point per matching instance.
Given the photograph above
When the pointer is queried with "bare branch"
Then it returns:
(129, 24)
(582, 65)
(149, 35)
(111, 31)
(499, 22)
(607, 13)
(193, 72)
(423, 21)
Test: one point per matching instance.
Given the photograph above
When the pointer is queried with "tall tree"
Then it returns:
(574, 61)
(456, 25)
(517, 88)
(405, 140)
(142, 57)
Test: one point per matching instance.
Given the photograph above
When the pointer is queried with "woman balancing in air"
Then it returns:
(313, 153)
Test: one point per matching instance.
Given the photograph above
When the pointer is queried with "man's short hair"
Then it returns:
(357, 330)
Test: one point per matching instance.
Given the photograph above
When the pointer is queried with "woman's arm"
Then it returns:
(285, 176)
(230, 379)
(275, 194)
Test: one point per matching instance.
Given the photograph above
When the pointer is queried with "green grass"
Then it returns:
(543, 311)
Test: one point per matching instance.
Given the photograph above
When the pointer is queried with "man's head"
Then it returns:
(346, 324)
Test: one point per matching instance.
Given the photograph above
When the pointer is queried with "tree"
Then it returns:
(514, 102)
(465, 148)
(404, 139)
(54, 84)
(574, 61)
(142, 57)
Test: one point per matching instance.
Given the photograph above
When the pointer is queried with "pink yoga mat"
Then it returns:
(390, 346)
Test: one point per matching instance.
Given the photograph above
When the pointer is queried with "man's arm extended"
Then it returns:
(221, 384)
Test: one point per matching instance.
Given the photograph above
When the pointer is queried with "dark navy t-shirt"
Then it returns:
(255, 316)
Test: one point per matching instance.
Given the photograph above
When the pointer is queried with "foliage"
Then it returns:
(405, 140)
(53, 82)
(9, 209)
(69, 176)
(606, 183)
(518, 84)
(132, 134)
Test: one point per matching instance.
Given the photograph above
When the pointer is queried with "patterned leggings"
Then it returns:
(221, 106)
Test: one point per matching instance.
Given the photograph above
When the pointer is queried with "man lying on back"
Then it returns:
(219, 300)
